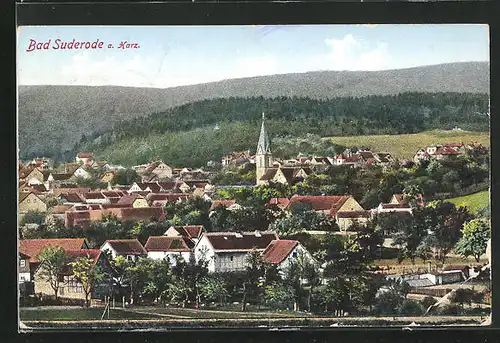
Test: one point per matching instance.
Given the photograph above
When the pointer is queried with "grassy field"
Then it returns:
(474, 201)
(78, 314)
(405, 146)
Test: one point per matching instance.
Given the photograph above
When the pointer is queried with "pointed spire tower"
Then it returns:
(263, 154)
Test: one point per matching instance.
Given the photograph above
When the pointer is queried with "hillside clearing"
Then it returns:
(405, 145)
(474, 202)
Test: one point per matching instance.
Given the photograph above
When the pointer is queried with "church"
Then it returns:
(265, 170)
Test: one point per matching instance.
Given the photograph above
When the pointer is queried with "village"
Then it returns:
(62, 207)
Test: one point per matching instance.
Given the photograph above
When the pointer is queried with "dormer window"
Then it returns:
(23, 263)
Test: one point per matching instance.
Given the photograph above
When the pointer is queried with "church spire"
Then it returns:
(263, 145)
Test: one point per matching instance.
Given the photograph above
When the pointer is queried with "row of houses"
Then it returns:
(444, 151)
(224, 252)
(355, 159)
(81, 208)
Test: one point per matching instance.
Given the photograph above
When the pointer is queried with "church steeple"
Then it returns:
(263, 155)
(263, 145)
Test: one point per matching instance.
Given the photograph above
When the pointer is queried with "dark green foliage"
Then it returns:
(411, 308)
(190, 138)
(125, 177)
(427, 302)
(32, 218)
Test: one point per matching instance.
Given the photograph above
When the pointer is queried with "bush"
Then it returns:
(411, 308)
(428, 301)
(449, 309)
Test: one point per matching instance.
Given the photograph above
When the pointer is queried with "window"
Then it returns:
(294, 254)
(23, 263)
(231, 258)
(28, 201)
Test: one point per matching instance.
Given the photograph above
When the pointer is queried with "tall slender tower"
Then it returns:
(263, 154)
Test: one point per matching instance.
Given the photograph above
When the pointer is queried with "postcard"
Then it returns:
(299, 176)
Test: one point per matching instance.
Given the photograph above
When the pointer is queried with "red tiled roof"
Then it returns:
(366, 154)
(223, 203)
(229, 241)
(129, 199)
(353, 158)
(126, 246)
(84, 155)
(113, 194)
(454, 145)
(319, 202)
(278, 250)
(59, 191)
(166, 243)
(446, 151)
(93, 195)
(72, 197)
(33, 247)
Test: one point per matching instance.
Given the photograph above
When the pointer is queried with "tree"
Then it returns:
(213, 288)
(125, 177)
(87, 274)
(475, 236)
(159, 279)
(444, 221)
(411, 236)
(53, 261)
(32, 217)
(462, 296)
(278, 295)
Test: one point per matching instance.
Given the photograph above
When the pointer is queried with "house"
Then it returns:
(440, 151)
(32, 175)
(57, 180)
(285, 175)
(113, 196)
(94, 198)
(236, 158)
(43, 163)
(157, 168)
(102, 165)
(24, 268)
(228, 251)
(344, 208)
(383, 158)
(30, 202)
(385, 208)
(77, 190)
(71, 288)
(161, 199)
(130, 249)
(281, 252)
(85, 158)
(31, 248)
(402, 199)
(193, 232)
(59, 212)
(133, 200)
(161, 247)
(150, 187)
(71, 198)
(83, 172)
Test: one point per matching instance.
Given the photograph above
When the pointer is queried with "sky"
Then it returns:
(169, 56)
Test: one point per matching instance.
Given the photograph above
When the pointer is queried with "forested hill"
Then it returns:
(197, 132)
(64, 113)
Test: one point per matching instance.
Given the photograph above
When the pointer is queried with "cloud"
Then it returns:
(350, 53)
